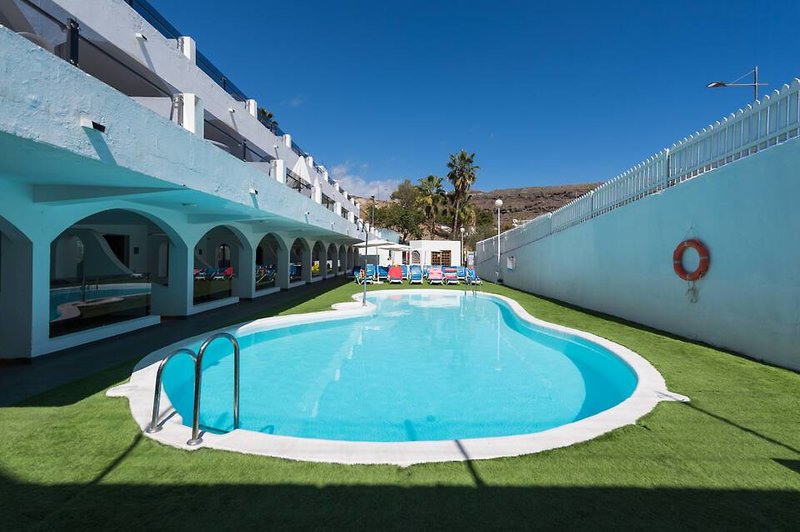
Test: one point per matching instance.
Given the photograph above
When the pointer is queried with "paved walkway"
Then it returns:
(21, 381)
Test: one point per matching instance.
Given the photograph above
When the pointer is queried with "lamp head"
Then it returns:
(498, 203)
(716, 84)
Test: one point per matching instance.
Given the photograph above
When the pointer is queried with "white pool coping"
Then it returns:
(650, 390)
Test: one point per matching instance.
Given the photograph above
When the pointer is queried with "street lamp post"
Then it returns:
(462, 245)
(498, 203)
(755, 84)
(361, 225)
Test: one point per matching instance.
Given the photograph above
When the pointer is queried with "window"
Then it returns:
(440, 258)
(328, 203)
(295, 182)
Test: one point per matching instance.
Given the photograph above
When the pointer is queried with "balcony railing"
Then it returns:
(297, 183)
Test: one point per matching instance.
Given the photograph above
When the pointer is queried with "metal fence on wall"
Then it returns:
(765, 123)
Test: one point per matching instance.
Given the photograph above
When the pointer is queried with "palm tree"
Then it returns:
(267, 118)
(431, 200)
(462, 174)
(467, 214)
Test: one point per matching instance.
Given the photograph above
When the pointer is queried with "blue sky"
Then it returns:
(544, 93)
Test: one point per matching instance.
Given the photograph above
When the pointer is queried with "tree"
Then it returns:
(406, 195)
(431, 200)
(402, 214)
(462, 174)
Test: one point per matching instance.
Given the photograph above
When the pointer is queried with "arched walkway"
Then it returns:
(332, 262)
(103, 270)
(218, 265)
(299, 261)
(268, 262)
(318, 259)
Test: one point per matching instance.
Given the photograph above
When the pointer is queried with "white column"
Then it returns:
(252, 107)
(279, 170)
(307, 260)
(191, 113)
(282, 266)
(176, 299)
(244, 269)
(16, 297)
(287, 140)
(188, 47)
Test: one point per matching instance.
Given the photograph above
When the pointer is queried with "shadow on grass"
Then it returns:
(74, 374)
(380, 507)
(743, 428)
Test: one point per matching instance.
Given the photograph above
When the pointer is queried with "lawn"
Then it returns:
(74, 459)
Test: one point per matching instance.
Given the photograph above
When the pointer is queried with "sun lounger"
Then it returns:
(404, 269)
(450, 275)
(462, 273)
(415, 274)
(395, 275)
(383, 273)
(472, 277)
(435, 276)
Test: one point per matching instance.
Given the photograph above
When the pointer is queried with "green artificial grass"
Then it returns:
(74, 459)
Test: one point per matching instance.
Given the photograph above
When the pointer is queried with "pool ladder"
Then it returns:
(198, 374)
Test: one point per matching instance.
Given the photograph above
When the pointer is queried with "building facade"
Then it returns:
(137, 181)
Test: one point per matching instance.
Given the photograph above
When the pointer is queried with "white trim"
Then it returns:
(650, 390)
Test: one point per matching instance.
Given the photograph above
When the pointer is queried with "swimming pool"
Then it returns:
(429, 366)
(415, 376)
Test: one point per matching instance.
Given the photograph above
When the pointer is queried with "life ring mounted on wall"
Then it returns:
(677, 259)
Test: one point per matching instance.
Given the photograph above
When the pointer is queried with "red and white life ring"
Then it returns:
(677, 259)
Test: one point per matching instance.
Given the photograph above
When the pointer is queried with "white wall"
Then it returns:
(620, 262)
(426, 247)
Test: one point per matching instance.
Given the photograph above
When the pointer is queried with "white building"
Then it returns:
(136, 181)
(435, 252)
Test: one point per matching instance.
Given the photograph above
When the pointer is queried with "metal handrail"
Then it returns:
(154, 426)
(198, 374)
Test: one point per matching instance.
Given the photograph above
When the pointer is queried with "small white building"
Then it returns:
(424, 252)
(435, 252)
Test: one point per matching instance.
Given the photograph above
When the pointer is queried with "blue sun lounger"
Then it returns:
(415, 274)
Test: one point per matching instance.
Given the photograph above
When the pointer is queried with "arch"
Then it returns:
(299, 260)
(267, 261)
(103, 269)
(318, 258)
(332, 259)
(158, 221)
(415, 257)
(217, 264)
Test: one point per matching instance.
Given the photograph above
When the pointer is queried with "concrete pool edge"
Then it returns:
(650, 390)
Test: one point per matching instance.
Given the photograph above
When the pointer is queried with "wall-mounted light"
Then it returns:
(231, 110)
(88, 123)
(141, 37)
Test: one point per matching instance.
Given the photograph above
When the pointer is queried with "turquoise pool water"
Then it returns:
(435, 366)
(68, 295)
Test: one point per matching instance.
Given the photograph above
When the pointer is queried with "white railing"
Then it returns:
(768, 122)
